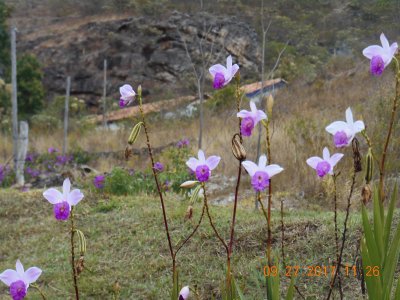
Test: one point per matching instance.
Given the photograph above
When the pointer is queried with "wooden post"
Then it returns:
(104, 95)
(14, 96)
(22, 150)
(66, 111)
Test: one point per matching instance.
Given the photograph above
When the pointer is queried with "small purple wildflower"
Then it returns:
(261, 174)
(166, 185)
(325, 164)
(19, 280)
(250, 119)
(202, 166)
(159, 167)
(127, 95)
(183, 143)
(223, 75)
(344, 132)
(380, 56)
(63, 201)
(63, 159)
(32, 172)
(52, 150)
(30, 157)
(98, 181)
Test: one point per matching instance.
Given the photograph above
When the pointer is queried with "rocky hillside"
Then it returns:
(143, 50)
(141, 42)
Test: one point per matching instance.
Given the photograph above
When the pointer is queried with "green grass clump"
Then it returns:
(126, 242)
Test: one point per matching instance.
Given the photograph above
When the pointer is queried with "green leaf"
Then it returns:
(374, 287)
(373, 253)
(290, 293)
(397, 293)
(389, 218)
(391, 263)
(378, 220)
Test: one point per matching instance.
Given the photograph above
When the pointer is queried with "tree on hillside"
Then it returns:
(30, 88)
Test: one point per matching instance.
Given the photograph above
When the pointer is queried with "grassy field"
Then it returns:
(126, 243)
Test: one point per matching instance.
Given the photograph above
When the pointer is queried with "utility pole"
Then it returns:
(66, 111)
(14, 96)
(104, 95)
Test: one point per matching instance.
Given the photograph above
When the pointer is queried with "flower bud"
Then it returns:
(237, 148)
(80, 266)
(270, 104)
(366, 194)
(82, 242)
(369, 166)
(189, 213)
(135, 133)
(128, 152)
(189, 184)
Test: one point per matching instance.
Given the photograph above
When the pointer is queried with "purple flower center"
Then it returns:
(122, 103)
(247, 126)
(219, 80)
(377, 65)
(202, 173)
(340, 139)
(323, 168)
(18, 290)
(61, 211)
(260, 181)
(159, 167)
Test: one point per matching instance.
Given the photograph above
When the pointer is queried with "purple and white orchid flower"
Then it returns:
(221, 75)
(261, 174)
(19, 280)
(344, 132)
(325, 164)
(380, 56)
(250, 119)
(184, 293)
(202, 167)
(127, 95)
(63, 201)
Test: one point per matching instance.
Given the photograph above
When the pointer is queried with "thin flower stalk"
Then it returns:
(337, 231)
(40, 291)
(231, 238)
(353, 181)
(389, 134)
(269, 240)
(149, 148)
(74, 271)
(179, 247)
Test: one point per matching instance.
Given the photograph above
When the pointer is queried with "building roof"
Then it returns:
(254, 89)
(133, 111)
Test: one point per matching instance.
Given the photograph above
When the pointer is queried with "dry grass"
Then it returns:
(300, 116)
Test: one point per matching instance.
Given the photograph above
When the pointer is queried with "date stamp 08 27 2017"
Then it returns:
(313, 271)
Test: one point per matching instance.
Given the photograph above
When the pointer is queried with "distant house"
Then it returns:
(253, 91)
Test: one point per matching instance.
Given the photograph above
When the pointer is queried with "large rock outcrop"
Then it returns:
(139, 50)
